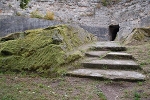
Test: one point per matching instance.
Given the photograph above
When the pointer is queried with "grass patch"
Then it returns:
(101, 95)
(36, 14)
(137, 96)
(141, 53)
(49, 15)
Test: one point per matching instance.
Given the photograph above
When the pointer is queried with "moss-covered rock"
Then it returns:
(138, 35)
(37, 50)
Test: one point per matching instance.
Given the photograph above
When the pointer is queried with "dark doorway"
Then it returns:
(113, 29)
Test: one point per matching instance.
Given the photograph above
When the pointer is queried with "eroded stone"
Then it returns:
(119, 55)
(109, 45)
(96, 53)
(108, 74)
(111, 64)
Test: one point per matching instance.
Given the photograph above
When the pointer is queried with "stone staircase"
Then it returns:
(106, 61)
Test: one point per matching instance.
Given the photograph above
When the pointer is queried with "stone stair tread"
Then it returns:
(110, 64)
(108, 74)
(108, 44)
(111, 45)
(96, 53)
(110, 61)
(119, 53)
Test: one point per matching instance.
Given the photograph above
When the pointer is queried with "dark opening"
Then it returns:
(113, 29)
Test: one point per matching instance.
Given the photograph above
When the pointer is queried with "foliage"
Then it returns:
(24, 3)
(137, 96)
(49, 15)
(101, 95)
(104, 2)
(8, 97)
(36, 14)
(109, 2)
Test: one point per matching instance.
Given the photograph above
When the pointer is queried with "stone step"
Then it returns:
(111, 64)
(108, 45)
(119, 55)
(118, 75)
(96, 53)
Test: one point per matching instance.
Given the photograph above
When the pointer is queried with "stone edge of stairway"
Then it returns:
(109, 74)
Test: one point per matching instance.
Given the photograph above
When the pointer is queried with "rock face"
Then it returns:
(94, 13)
(12, 24)
(138, 35)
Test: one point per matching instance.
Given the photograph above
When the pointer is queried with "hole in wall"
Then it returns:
(113, 29)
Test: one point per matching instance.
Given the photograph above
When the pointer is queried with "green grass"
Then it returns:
(18, 87)
(101, 95)
(137, 96)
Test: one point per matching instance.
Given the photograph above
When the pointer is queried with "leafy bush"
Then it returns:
(24, 3)
(104, 2)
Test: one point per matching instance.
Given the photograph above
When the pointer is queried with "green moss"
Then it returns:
(73, 57)
(24, 3)
(36, 51)
(137, 36)
(36, 14)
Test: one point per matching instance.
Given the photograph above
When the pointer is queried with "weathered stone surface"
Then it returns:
(9, 24)
(113, 46)
(57, 38)
(137, 35)
(111, 64)
(96, 53)
(119, 55)
(108, 74)
(12, 24)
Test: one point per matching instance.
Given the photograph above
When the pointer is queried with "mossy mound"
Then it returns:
(43, 51)
(137, 36)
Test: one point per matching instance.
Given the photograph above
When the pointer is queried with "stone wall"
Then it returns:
(11, 24)
(127, 13)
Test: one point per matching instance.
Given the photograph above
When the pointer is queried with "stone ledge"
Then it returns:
(108, 74)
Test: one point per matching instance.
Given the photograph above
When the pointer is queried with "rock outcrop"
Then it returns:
(37, 50)
(138, 35)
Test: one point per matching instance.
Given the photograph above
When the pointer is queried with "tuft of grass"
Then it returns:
(104, 2)
(49, 15)
(18, 14)
(137, 96)
(24, 3)
(8, 97)
(140, 83)
(36, 14)
(101, 95)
